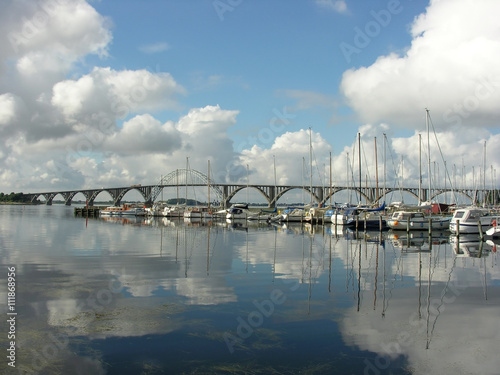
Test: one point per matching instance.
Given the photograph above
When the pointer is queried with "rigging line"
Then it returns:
(317, 167)
(394, 280)
(351, 165)
(442, 158)
(396, 174)
(366, 162)
(214, 243)
(441, 303)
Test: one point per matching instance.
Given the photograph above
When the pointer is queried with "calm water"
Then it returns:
(160, 297)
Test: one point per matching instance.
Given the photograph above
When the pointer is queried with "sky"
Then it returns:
(114, 93)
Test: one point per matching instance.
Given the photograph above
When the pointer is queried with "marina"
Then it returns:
(128, 295)
(458, 221)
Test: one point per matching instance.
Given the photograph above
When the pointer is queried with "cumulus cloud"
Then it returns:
(144, 134)
(291, 153)
(451, 67)
(114, 93)
(51, 35)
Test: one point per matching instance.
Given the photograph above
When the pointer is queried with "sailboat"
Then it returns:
(415, 219)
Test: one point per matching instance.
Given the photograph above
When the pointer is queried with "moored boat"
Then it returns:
(238, 211)
(416, 220)
(316, 215)
(126, 209)
(493, 232)
(174, 211)
(290, 214)
(472, 219)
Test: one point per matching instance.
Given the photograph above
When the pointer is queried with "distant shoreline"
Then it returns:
(18, 203)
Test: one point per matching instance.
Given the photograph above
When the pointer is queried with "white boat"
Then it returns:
(198, 213)
(155, 210)
(416, 220)
(262, 215)
(238, 211)
(360, 217)
(291, 214)
(468, 220)
(493, 232)
(174, 211)
(316, 214)
(126, 209)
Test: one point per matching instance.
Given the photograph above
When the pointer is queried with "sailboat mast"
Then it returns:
(187, 168)
(385, 176)
(208, 186)
(376, 169)
(330, 190)
(359, 164)
(310, 165)
(419, 169)
(484, 175)
(428, 153)
(177, 183)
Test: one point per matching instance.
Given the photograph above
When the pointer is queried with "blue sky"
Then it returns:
(107, 93)
(250, 56)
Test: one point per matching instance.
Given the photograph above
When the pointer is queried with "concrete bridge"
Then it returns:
(183, 178)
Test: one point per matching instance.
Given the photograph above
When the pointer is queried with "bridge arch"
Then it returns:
(243, 187)
(283, 191)
(181, 177)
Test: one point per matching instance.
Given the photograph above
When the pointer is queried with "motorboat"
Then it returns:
(174, 211)
(126, 209)
(360, 217)
(262, 215)
(198, 213)
(416, 220)
(493, 232)
(316, 214)
(290, 214)
(238, 211)
(473, 219)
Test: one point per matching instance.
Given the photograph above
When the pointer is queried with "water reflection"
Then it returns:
(125, 295)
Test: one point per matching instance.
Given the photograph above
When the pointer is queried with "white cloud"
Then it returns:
(8, 109)
(338, 6)
(154, 48)
(451, 67)
(143, 134)
(52, 35)
(290, 151)
(116, 93)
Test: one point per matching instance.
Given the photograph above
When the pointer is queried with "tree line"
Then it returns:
(14, 197)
